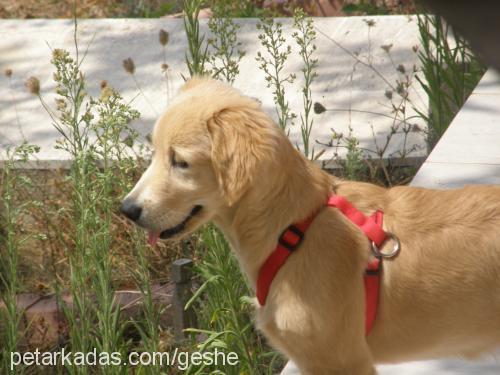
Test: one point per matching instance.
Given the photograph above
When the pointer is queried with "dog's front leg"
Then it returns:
(317, 355)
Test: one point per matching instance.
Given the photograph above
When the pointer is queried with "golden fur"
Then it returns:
(439, 297)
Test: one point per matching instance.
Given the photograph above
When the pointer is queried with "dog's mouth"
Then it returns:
(172, 231)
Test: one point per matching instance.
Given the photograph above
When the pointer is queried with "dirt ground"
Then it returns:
(25, 9)
(86, 8)
(44, 261)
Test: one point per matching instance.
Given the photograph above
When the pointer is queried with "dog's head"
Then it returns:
(210, 148)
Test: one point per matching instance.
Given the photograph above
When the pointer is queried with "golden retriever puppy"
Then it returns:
(218, 157)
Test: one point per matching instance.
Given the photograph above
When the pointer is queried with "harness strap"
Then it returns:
(292, 237)
(367, 224)
(371, 280)
(289, 240)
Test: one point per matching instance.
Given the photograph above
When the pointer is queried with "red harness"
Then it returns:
(291, 238)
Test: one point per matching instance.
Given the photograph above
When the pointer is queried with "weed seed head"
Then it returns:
(370, 23)
(386, 47)
(319, 108)
(163, 37)
(61, 56)
(33, 85)
(129, 66)
(61, 104)
(106, 93)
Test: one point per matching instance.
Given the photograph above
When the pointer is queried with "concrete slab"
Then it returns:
(290, 369)
(469, 152)
(475, 134)
(489, 83)
(344, 83)
(456, 175)
(488, 366)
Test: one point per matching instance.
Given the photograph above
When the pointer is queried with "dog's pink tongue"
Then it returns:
(153, 238)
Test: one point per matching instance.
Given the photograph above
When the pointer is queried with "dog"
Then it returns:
(219, 158)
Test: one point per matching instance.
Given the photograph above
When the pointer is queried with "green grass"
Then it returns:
(224, 311)
(450, 71)
(11, 239)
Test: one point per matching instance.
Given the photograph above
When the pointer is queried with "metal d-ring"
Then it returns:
(395, 250)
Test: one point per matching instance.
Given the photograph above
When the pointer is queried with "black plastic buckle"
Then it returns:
(373, 272)
(291, 246)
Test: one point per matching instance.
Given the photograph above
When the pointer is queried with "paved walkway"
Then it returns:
(468, 153)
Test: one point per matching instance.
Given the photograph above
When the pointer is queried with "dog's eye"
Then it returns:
(179, 163)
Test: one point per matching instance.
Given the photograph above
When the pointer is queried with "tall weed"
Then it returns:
(225, 311)
(96, 133)
(450, 71)
(11, 239)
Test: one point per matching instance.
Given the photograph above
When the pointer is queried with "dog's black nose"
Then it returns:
(131, 210)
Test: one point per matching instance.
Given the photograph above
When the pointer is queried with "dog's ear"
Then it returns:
(238, 143)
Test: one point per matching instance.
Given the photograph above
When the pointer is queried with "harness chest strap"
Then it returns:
(292, 237)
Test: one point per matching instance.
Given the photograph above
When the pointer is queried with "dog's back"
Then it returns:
(441, 295)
